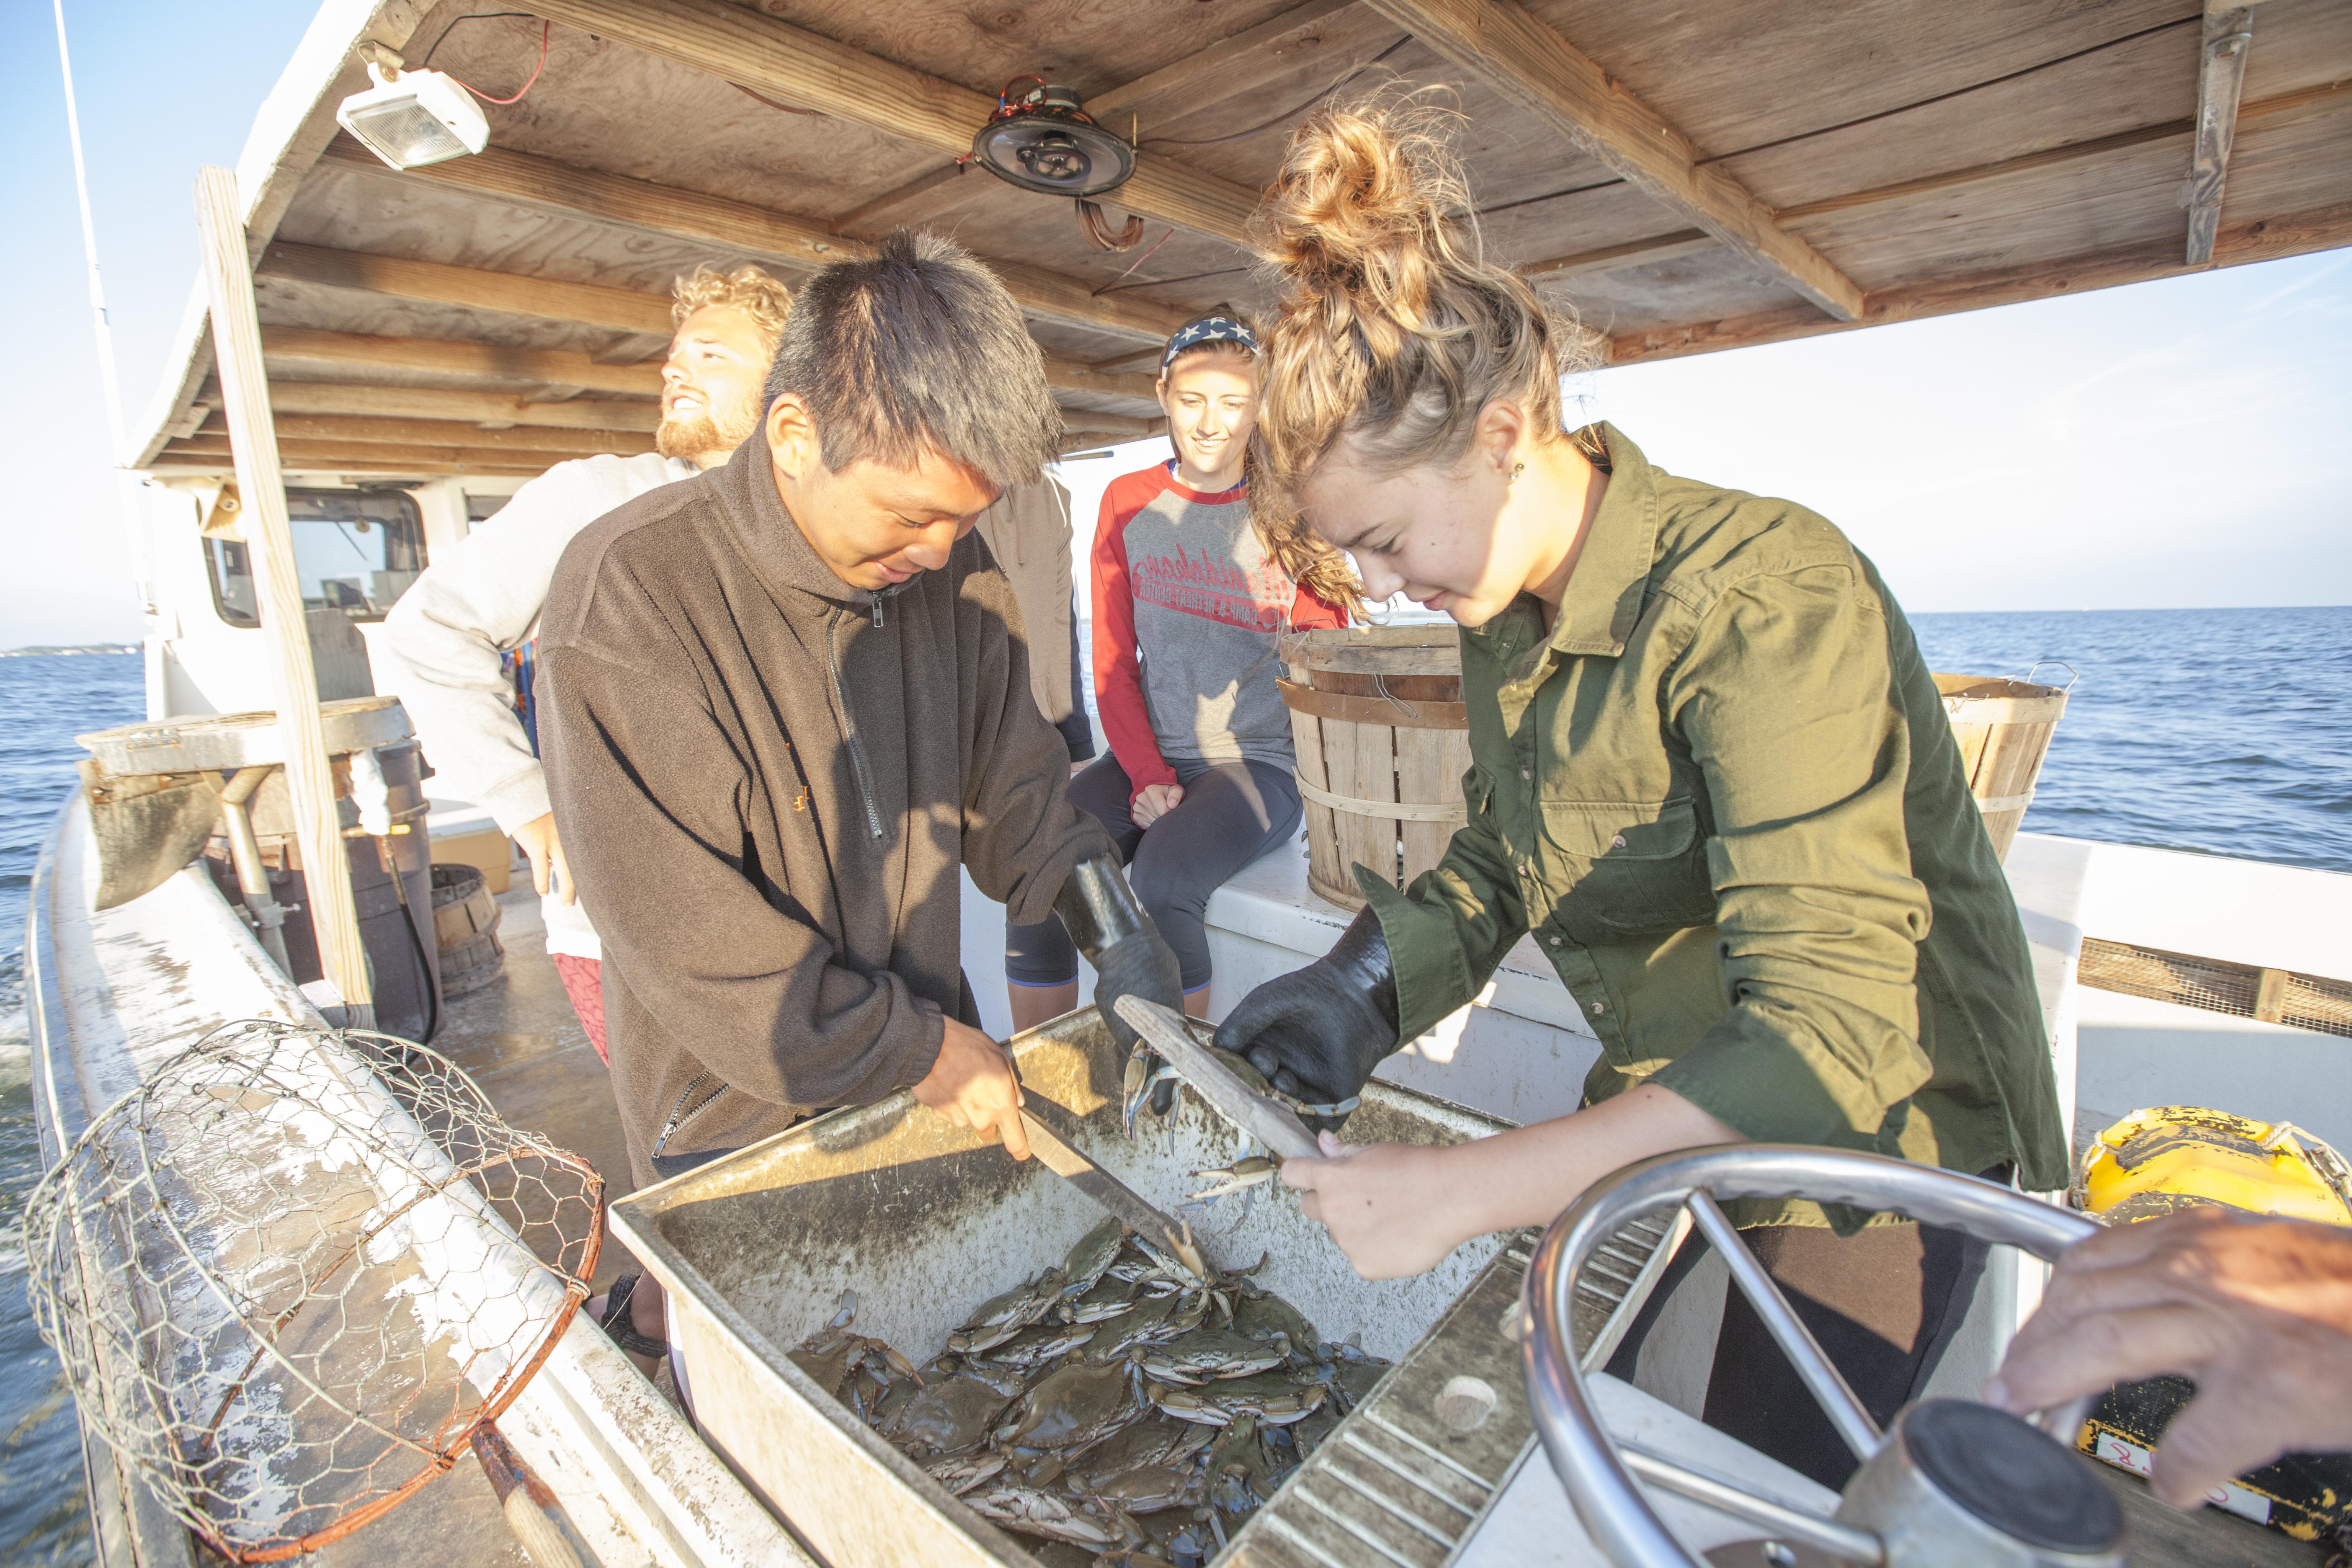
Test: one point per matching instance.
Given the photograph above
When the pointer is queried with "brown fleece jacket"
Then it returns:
(765, 780)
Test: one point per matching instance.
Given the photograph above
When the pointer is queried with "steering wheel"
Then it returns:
(1952, 1482)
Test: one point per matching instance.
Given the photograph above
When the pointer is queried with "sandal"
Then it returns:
(616, 1324)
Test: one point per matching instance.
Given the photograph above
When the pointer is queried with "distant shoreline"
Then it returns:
(46, 650)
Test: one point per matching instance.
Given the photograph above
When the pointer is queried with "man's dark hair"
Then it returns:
(917, 346)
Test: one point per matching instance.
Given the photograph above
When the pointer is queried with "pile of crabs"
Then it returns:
(1120, 1408)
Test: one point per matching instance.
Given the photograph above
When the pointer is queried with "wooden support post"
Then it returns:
(2222, 73)
(2270, 996)
(245, 396)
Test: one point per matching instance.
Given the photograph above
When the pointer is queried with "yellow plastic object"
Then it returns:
(2173, 1157)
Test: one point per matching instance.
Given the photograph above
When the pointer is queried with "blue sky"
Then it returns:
(2173, 444)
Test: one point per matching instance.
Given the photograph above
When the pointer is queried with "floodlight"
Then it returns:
(413, 118)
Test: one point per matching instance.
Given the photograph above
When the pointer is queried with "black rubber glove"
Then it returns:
(1117, 938)
(1316, 1033)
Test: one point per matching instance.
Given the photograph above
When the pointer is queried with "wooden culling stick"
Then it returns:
(1270, 1124)
(531, 1510)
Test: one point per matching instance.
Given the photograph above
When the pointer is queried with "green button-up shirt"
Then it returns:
(1723, 794)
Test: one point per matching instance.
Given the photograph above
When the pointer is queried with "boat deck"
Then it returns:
(522, 1042)
(112, 994)
(115, 993)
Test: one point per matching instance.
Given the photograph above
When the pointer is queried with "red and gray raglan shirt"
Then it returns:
(1180, 576)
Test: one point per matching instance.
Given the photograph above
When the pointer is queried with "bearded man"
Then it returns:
(444, 645)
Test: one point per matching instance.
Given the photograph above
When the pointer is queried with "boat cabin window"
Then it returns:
(481, 509)
(354, 550)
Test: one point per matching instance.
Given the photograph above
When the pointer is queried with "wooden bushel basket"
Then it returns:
(465, 925)
(2004, 728)
(1382, 742)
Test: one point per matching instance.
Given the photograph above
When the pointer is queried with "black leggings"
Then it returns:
(1233, 812)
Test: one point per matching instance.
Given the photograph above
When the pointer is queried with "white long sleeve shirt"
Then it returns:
(443, 643)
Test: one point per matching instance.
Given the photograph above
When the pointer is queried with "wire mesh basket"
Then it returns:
(292, 1274)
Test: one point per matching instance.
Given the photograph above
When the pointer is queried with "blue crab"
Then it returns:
(1001, 1317)
(1213, 1354)
(1036, 1512)
(1275, 1398)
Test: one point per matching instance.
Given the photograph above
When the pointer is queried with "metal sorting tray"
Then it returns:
(923, 1221)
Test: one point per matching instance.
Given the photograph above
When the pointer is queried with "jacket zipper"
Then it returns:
(849, 725)
(680, 1114)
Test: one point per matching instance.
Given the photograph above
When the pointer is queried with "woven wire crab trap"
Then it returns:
(295, 1271)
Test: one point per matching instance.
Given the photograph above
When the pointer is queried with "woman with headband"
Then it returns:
(1188, 604)
(1713, 779)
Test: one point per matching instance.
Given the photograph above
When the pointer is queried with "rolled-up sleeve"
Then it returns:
(1819, 916)
(1449, 930)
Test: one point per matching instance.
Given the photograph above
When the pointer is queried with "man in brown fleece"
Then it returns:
(781, 704)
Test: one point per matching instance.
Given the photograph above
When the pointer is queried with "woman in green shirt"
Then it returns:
(1713, 778)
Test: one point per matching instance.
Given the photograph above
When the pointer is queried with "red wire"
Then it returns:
(1134, 264)
(544, 27)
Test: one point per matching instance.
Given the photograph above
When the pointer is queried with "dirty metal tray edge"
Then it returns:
(1410, 1475)
(941, 1530)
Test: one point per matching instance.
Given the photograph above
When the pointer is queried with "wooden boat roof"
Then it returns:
(1688, 175)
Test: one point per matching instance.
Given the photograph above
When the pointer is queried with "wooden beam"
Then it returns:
(1232, 65)
(375, 454)
(434, 353)
(1543, 73)
(277, 586)
(907, 204)
(811, 70)
(539, 440)
(542, 184)
(2286, 108)
(554, 367)
(509, 293)
(1982, 174)
(1064, 376)
(2220, 75)
(2268, 240)
(169, 465)
(1123, 424)
(473, 408)
(1146, 360)
(1618, 258)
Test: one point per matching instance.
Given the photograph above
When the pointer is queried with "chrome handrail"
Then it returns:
(1596, 1475)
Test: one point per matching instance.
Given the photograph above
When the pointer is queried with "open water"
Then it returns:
(2225, 731)
(44, 704)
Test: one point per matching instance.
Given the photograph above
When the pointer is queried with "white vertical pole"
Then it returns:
(126, 483)
(117, 436)
(245, 400)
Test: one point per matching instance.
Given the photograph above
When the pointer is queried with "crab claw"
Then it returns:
(1236, 1177)
(1140, 1080)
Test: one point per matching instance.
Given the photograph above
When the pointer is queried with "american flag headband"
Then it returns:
(1209, 329)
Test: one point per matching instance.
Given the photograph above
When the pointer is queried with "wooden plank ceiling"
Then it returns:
(1683, 177)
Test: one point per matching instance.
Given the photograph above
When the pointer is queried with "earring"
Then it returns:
(1516, 469)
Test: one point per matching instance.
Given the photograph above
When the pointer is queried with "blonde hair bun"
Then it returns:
(1394, 329)
(1359, 218)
